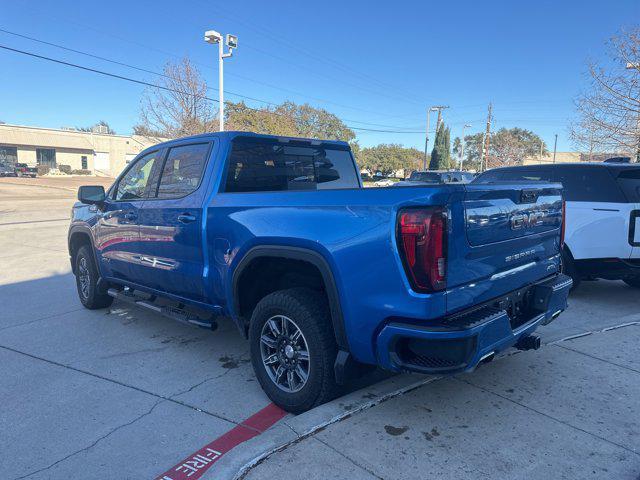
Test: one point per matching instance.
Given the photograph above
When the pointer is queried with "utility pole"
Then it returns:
(211, 36)
(555, 144)
(426, 142)
(465, 126)
(540, 161)
(487, 136)
(439, 108)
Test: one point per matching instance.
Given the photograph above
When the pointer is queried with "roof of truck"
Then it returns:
(230, 135)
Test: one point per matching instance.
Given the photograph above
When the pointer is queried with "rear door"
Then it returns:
(171, 222)
(628, 178)
(598, 213)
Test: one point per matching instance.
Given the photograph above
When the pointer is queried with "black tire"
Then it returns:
(86, 271)
(569, 268)
(307, 311)
(633, 282)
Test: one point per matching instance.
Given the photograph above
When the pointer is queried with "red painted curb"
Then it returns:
(194, 466)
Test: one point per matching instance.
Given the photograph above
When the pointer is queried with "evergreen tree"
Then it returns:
(440, 156)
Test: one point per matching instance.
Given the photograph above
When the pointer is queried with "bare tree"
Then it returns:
(179, 105)
(609, 111)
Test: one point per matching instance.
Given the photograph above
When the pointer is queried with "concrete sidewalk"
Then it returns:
(568, 411)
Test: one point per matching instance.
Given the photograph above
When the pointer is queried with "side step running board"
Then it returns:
(174, 313)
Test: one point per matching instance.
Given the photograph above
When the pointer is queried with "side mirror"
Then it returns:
(91, 194)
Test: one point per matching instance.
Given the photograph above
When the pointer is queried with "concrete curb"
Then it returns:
(237, 463)
(292, 429)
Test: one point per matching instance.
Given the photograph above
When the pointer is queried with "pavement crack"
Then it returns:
(122, 384)
(349, 459)
(284, 422)
(95, 442)
(208, 379)
(47, 317)
(598, 358)
(558, 420)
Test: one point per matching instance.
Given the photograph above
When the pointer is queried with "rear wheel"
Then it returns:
(293, 349)
(633, 282)
(87, 280)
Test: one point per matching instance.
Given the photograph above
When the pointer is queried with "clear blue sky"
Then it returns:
(369, 62)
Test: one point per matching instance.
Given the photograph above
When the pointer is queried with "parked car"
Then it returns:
(603, 215)
(323, 276)
(385, 182)
(7, 170)
(434, 177)
(24, 170)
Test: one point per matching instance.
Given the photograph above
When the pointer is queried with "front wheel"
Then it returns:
(87, 281)
(293, 349)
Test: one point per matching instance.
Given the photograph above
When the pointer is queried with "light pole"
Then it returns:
(465, 126)
(211, 36)
(426, 142)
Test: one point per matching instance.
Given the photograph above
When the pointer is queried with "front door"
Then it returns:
(171, 224)
(118, 232)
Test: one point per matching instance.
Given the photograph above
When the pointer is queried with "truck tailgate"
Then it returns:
(504, 236)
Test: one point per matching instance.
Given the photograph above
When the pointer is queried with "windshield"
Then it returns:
(429, 177)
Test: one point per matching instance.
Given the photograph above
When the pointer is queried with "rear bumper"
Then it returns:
(458, 343)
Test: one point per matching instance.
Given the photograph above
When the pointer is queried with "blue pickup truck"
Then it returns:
(324, 277)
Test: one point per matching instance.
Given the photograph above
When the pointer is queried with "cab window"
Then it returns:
(182, 170)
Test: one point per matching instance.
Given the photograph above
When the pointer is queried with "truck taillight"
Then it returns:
(563, 227)
(422, 241)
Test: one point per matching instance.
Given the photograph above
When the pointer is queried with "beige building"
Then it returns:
(100, 153)
(572, 157)
(561, 157)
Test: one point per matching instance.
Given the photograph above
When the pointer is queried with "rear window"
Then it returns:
(269, 165)
(629, 181)
(182, 170)
(429, 177)
(589, 184)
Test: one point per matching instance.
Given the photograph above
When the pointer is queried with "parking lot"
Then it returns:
(123, 393)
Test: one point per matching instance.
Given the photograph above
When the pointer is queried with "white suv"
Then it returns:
(602, 237)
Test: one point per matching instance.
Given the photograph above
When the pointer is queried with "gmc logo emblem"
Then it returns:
(527, 220)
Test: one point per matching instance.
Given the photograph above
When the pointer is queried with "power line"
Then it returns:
(165, 52)
(153, 85)
(116, 62)
(308, 53)
(141, 69)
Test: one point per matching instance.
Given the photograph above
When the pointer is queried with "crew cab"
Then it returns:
(321, 275)
(603, 215)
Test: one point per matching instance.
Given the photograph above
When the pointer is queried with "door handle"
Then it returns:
(186, 218)
(130, 216)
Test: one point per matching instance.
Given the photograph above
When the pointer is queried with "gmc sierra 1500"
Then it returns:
(321, 274)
